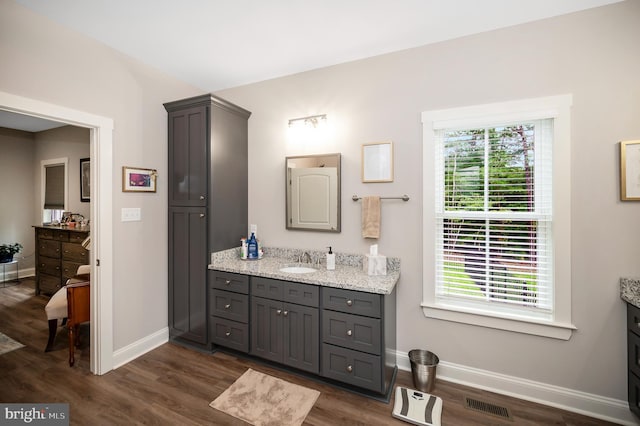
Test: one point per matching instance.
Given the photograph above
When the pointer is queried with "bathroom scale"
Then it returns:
(416, 407)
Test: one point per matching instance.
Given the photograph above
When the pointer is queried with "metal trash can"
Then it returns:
(423, 369)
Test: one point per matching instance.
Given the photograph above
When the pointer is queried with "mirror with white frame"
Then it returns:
(313, 192)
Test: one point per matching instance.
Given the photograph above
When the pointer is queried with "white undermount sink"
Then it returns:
(297, 269)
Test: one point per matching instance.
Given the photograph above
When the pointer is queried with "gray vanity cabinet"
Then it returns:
(207, 184)
(358, 338)
(229, 310)
(285, 323)
(633, 358)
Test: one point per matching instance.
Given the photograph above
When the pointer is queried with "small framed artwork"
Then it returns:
(377, 162)
(630, 170)
(135, 179)
(85, 180)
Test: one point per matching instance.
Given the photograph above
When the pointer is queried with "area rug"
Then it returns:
(263, 400)
(7, 344)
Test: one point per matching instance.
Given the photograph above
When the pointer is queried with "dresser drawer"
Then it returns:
(230, 334)
(229, 305)
(52, 234)
(301, 294)
(70, 269)
(49, 284)
(77, 237)
(267, 288)
(47, 265)
(352, 367)
(351, 301)
(352, 331)
(230, 282)
(49, 248)
(74, 253)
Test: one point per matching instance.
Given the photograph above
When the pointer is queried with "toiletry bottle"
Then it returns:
(331, 260)
(243, 248)
(252, 247)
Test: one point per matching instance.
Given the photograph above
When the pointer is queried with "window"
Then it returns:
(54, 192)
(496, 216)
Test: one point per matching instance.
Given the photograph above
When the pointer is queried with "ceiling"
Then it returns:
(218, 44)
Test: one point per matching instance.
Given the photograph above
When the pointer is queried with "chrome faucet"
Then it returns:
(305, 257)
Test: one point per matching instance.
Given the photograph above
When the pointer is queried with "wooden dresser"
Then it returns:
(59, 253)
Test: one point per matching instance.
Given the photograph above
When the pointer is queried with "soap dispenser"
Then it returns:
(331, 260)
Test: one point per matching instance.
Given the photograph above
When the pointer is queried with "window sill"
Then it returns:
(552, 330)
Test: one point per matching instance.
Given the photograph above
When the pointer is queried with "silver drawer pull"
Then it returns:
(227, 306)
(227, 282)
(278, 311)
(228, 333)
(349, 302)
(349, 333)
(349, 368)
(201, 215)
(202, 197)
(285, 313)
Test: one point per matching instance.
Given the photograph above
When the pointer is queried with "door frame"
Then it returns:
(101, 253)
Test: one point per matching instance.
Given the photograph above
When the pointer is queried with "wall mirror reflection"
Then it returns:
(313, 192)
(377, 162)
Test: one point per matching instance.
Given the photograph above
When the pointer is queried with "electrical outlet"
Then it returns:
(131, 214)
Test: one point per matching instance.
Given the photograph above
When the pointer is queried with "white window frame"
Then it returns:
(558, 108)
(43, 172)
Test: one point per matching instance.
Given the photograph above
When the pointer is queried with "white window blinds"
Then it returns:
(54, 187)
(494, 218)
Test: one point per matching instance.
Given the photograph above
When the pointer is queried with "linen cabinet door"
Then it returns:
(187, 273)
(301, 337)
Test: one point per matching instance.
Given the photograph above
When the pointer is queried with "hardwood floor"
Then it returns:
(173, 385)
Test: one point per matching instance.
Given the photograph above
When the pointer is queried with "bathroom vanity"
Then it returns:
(630, 293)
(339, 325)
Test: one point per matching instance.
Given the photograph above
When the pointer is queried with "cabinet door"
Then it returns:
(266, 329)
(301, 337)
(188, 156)
(187, 273)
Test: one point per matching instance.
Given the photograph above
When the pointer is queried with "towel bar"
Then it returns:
(403, 198)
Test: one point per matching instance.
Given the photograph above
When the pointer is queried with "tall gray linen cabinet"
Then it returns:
(207, 202)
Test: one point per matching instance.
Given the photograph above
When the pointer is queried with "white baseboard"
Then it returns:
(10, 275)
(601, 407)
(140, 347)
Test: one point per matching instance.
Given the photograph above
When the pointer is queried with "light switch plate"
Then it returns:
(131, 214)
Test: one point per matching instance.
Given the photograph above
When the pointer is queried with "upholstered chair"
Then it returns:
(57, 309)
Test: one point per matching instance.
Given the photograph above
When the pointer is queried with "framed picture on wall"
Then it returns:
(630, 170)
(377, 162)
(135, 179)
(85, 180)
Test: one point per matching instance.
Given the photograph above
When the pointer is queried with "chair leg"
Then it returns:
(72, 339)
(53, 326)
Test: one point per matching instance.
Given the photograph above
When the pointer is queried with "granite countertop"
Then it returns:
(630, 291)
(348, 273)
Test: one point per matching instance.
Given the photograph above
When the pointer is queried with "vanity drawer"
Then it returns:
(267, 288)
(352, 367)
(633, 319)
(230, 334)
(229, 305)
(352, 331)
(49, 248)
(301, 294)
(50, 266)
(230, 282)
(351, 302)
(75, 253)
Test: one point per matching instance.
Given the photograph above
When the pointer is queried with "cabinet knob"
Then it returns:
(201, 215)
(202, 197)
(227, 306)
(349, 368)
(278, 311)
(349, 333)
(228, 333)
(349, 302)
(285, 313)
(227, 282)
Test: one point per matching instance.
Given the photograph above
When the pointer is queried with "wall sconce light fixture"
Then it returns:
(310, 121)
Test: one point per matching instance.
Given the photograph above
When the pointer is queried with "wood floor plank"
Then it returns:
(173, 385)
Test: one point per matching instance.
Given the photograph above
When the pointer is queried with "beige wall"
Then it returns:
(43, 61)
(67, 142)
(592, 55)
(17, 150)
